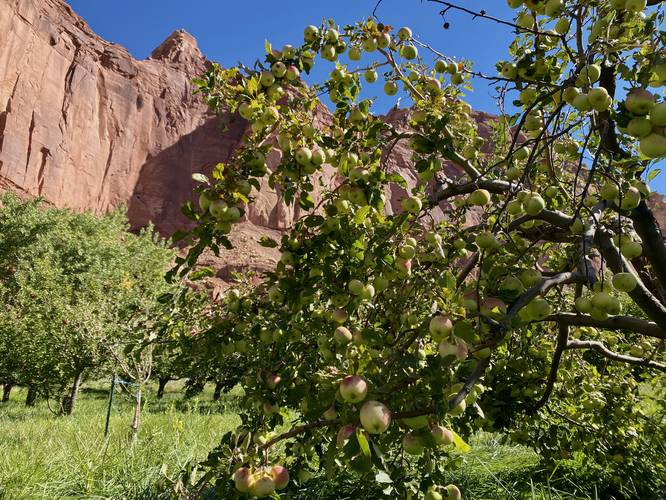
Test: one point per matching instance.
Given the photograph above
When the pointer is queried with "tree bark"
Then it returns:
(31, 397)
(160, 388)
(6, 391)
(218, 391)
(136, 418)
(70, 399)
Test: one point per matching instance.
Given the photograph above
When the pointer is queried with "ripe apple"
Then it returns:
(267, 79)
(658, 114)
(243, 479)
(653, 146)
(332, 36)
(280, 476)
(453, 492)
(404, 34)
(390, 88)
(273, 380)
(369, 44)
(353, 389)
(493, 307)
(624, 282)
(412, 445)
(440, 327)
(441, 435)
(292, 73)
(339, 316)
(639, 126)
(342, 335)
(470, 300)
(403, 265)
(480, 197)
(279, 69)
(375, 417)
(639, 102)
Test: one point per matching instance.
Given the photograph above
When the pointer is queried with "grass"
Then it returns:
(46, 457)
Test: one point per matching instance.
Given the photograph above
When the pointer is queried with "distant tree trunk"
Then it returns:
(70, 399)
(31, 397)
(136, 419)
(218, 391)
(6, 391)
(160, 388)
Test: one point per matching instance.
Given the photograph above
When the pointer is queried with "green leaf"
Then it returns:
(363, 442)
(267, 242)
(204, 272)
(268, 47)
(361, 214)
(653, 174)
(460, 443)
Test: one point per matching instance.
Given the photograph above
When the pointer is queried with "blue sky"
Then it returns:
(233, 31)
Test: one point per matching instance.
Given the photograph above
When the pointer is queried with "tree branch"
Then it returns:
(493, 186)
(562, 341)
(603, 350)
(654, 247)
(631, 323)
(476, 374)
(541, 289)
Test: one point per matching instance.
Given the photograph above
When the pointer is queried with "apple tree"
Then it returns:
(518, 286)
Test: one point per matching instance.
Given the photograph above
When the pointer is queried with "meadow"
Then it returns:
(43, 456)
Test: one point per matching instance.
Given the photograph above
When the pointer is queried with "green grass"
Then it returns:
(47, 457)
(42, 456)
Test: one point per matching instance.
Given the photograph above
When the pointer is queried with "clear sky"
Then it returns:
(235, 30)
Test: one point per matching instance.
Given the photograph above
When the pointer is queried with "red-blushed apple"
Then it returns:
(292, 73)
(441, 435)
(280, 476)
(344, 434)
(243, 479)
(342, 335)
(353, 389)
(470, 300)
(639, 102)
(453, 492)
(403, 265)
(375, 417)
(339, 315)
(493, 307)
(412, 444)
(440, 327)
(273, 380)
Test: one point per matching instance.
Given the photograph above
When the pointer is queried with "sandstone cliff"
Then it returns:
(85, 125)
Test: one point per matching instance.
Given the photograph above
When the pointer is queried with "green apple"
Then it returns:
(243, 479)
(479, 198)
(598, 98)
(390, 88)
(409, 51)
(582, 103)
(441, 435)
(609, 191)
(440, 327)
(569, 94)
(658, 114)
(588, 75)
(583, 305)
(653, 146)
(530, 277)
(263, 485)
(534, 204)
(639, 127)
(416, 422)
(267, 79)
(528, 95)
(375, 417)
(310, 33)
(369, 44)
(411, 204)
(383, 40)
(625, 282)
(635, 5)
(371, 76)
(562, 26)
(538, 309)
(631, 199)
(554, 7)
(512, 285)
(405, 34)
(486, 240)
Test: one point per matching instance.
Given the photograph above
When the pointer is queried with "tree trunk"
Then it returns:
(136, 419)
(31, 397)
(218, 391)
(6, 391)
(70, 399)
(160, 388)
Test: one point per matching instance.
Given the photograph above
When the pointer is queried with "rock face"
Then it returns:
(85, 125)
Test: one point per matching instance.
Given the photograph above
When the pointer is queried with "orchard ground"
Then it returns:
(44, 456)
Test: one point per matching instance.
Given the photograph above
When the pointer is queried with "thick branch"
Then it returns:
(654, 247)
(493, 186)
(603, 350)
(476, 374)
(541, 289)
(553, 217)
(630, 323)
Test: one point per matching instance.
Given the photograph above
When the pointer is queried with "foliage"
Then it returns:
(513, 322)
